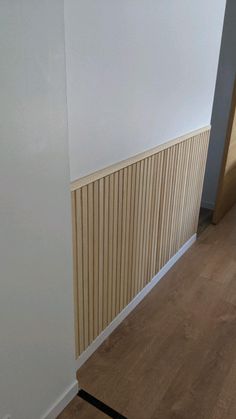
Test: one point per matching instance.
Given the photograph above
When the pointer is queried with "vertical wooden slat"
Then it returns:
(127, 236)
(179, 193)
(115, 244)
(75, 273)
(101, 255)
(96, 258)
(91, 261)
(173, 222)
(148, 208)
(163, 210)
(183, 201)
(135, 245)
(85, 275)
(119, 239)
(110, 247)
(79, 249)
(106, 246)
(170, 203)
(144, 224)
(188, 193)
(156, 222)
(143, 170)
(123, 248)
(126, 227)
(131, 237)
(151, 218)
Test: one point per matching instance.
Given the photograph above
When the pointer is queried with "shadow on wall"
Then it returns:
(221, 106)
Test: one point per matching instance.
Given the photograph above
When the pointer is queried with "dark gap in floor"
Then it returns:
(98, 404)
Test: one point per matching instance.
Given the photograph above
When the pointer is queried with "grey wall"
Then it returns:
(222, 104)
(36, 298)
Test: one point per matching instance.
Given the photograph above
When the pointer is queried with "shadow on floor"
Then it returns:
(205, 219)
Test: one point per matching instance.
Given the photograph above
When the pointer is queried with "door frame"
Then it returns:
(218, 214)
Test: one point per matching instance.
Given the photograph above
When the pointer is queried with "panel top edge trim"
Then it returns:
(85, 180)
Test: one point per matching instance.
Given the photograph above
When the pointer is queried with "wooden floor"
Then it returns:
(175, 355)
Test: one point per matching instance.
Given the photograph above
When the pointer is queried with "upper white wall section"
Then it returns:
(139, 72)
(36, 300)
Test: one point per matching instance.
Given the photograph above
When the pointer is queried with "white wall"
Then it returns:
(139, 72)
(222, 105)
(36, 308)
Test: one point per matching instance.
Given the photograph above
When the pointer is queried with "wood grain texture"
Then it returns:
(226, 196)
(128, 226)
(174, 356)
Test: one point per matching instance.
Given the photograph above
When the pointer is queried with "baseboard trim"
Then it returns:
(131, 306)
(62, 401)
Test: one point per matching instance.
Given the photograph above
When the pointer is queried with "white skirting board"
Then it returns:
(130, 307)
(62, 401)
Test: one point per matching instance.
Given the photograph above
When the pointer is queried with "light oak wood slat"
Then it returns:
(123, 248)
(189, 189)
(135, 245)
(119, 239)
(124, 277)
(180, 195)
(151, 220)
(91, 260)
(139, 182)
(176, 198)
(110, 247)
(115, 243)
(184, 191)
(96, 258)
(173, 226)
(157, 200)
(79, 252)
(131, 238)
(75, 273)
(144, 223)
(141, 220)
(127, 225)
(170, 212)
(163, 211)
(83, 239)
(167, 214)
(159, 214)
(101, 255)
(106, 247)
(148, 204)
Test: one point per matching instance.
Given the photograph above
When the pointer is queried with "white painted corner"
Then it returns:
(62, 401)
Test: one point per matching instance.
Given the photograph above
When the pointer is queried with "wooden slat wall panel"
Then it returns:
(126, 227)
